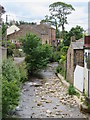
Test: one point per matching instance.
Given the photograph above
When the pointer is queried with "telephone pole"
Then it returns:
(6, 32)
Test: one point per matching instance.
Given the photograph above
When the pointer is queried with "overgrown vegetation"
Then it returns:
(37, 55)
(71, 90)
(23, 72)
(12, 77)
(10, 86)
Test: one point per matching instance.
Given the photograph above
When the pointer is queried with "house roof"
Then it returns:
(78, 44)
(39, 30)
(12, 29)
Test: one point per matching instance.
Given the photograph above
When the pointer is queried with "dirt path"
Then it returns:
(46, 97)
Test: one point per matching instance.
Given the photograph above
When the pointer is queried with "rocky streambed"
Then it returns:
(47, 97)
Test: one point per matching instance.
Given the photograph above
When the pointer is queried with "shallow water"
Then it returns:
(32, 92)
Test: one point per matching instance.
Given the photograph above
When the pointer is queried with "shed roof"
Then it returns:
(12, 29)
(77, 45)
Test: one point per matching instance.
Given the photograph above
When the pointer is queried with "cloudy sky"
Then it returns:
(35, 10)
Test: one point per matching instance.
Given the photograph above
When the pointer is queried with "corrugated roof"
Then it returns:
(12, 29)
(77, 45)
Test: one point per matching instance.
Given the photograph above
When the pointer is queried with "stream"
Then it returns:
(45, 97)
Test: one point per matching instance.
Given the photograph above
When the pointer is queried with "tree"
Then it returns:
(60, 10)
(75, 31)
(53, 21)
(37, 55)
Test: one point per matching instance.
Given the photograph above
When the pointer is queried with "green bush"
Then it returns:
(89, 106)
(10, 48)
(37, 55)
(10, 86)
(56, 56)
(10, 95)
(71, 90)
(10, 70)
(18, 53)
(23, 72)
(58, 69)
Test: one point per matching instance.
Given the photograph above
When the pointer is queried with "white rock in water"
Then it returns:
(30, 83)
(46, 83)
(17, 108)
(48, 101)
(48, 111)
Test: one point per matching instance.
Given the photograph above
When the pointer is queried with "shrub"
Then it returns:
(10, 95)
(71, 90)
(56, 56)
(89, 106)
(18, 53)
(37, 55)
(10, 70)
(23, 72)
(58, 69)
(10, 86)
(10, 48)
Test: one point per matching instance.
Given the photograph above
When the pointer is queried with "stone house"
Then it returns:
(75, 56)
(45, 32)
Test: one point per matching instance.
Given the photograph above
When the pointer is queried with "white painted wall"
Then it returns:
(79, 78)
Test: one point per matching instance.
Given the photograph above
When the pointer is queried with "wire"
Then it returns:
(33, 19)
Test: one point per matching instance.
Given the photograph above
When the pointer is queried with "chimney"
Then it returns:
(73, 39)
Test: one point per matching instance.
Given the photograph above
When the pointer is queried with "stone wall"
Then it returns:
(44, 39)
(74, 57)
(44, 32)
(70, 65)
(79, 55)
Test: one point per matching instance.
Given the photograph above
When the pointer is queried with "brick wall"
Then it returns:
(52, 35)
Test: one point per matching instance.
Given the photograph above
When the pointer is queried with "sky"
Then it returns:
(35, 11)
